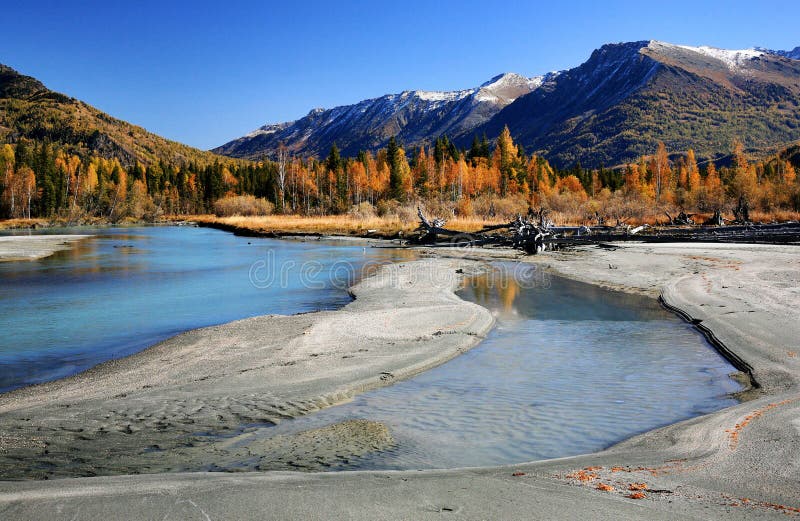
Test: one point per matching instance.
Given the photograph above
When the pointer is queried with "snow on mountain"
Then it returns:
(264, 131)
(732, 58)
(580, 114)
(414, 115)
(505, 88)
(441, 96)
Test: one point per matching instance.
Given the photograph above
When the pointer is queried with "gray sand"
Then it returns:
(150, 412)
(32, 247)
(742, 462)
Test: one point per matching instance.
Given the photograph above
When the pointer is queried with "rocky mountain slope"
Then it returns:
(609, 110)
(627, 97)
(414, 116)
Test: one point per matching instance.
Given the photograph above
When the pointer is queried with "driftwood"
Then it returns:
(528, 234)
(682, 219)
(537, 232)
(716, 219)
(433, 228)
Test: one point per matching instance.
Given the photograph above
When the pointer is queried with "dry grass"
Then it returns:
(331, 224)
(388, 225)
(775, 215)
(242, 205)
(391, 225)
(10, 224)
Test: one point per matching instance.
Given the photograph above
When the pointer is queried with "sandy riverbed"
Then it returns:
(32, 247)
(743, 462)
(150, 412)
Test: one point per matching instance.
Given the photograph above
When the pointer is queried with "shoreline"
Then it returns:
(718, 465)
(744, 376)
(34, 247)
(142, 413)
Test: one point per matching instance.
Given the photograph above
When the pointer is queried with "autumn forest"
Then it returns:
(489, 180)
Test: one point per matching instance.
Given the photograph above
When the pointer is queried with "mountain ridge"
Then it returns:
(28, 109)
(370, 123)
(604, 111)
(627, 97)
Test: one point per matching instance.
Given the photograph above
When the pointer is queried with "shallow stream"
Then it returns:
(569, 369)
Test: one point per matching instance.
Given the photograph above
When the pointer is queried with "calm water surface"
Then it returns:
(127, 288)
(569, 369)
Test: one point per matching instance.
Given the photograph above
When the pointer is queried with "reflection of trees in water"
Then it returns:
(543, 296)
(495, 286)
(508, 294)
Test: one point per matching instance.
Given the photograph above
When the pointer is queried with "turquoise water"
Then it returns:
(127, 288)
(569, 369)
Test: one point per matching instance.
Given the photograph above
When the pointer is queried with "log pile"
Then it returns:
(528, 234)
(681, 219)
(536, 232)
(716, 219)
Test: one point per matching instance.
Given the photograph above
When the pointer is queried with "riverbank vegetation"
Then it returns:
(489, 182)
(348, 224)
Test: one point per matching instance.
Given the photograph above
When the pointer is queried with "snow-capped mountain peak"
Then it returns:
(502, 88)
(506, 87)
(456, 95)
(573, 115)
(411, 115)
(733, 59)
(501, 80)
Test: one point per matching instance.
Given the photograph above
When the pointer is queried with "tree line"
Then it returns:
(46, 180)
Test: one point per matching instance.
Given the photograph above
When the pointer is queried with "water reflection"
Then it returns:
(528, 291)
(126, 288)
(494, 285)
(569, 369)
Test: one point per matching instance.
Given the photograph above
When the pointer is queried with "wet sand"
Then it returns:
(739, 463)
(32, 247)
(173, 406)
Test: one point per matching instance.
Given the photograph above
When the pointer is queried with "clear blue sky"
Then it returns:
(205, 72)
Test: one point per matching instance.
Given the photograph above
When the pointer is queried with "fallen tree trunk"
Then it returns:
(521, 233)
(536, 235)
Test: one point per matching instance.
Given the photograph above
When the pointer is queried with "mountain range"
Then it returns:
(609, 110)
(412, 116)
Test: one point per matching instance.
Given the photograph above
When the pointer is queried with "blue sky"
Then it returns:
(205, 72)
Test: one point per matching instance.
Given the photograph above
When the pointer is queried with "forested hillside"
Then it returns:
(48, 170)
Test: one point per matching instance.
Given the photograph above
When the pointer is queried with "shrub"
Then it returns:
(500, 208)
(362, 211)
(242, 205)
(391, 209)
(464, 207)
